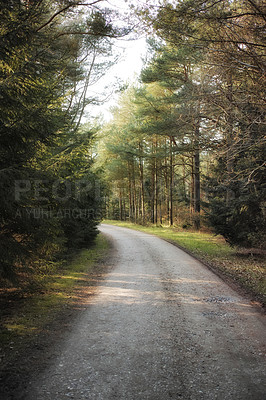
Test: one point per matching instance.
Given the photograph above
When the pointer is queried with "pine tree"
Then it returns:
(43, 96)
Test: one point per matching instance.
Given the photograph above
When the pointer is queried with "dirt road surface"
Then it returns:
(160, 326)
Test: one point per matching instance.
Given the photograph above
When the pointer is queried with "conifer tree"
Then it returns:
(229, 35)
(50, 53)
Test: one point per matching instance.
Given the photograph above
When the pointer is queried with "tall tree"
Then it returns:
(230, 36)
(43, 95)
(176, 69)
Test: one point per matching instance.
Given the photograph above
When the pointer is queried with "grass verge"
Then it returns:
(25, 314)
(245, 270)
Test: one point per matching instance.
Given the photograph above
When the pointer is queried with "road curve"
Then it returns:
(161, 326)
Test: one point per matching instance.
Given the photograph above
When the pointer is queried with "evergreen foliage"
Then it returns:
(47, 186)
(207, 119)
(187, 142)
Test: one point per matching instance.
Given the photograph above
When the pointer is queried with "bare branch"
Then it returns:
(254, 170)
(66, 8)
(113, 36)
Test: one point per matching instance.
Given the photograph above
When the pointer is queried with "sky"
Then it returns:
(126, 70)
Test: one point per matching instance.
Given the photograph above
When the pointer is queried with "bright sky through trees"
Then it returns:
(186, 144)
(126, 70)
(132, 50)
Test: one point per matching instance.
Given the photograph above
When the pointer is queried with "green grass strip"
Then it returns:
(54, 291)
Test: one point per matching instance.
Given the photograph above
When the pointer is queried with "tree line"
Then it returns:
(51, 53)
(186, 144)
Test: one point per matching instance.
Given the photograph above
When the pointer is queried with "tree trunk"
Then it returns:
(229, 139)
(142, 194)
(130, 207)
(120, 205)
(192, 188)
(155, 185)
(134, 194)
(197, 179)
(171, 218)
(152, 192)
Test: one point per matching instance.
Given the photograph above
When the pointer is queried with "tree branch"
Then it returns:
(64, 9)
(113, 36)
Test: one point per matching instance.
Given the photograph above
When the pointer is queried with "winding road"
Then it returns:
(160, 326)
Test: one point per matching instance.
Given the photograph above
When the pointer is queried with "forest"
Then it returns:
(185, 146)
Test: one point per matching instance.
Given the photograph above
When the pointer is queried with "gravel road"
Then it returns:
(160, 326)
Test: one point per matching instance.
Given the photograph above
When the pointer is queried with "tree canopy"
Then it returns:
(51, 52)
(186, 145)
(208, 62)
